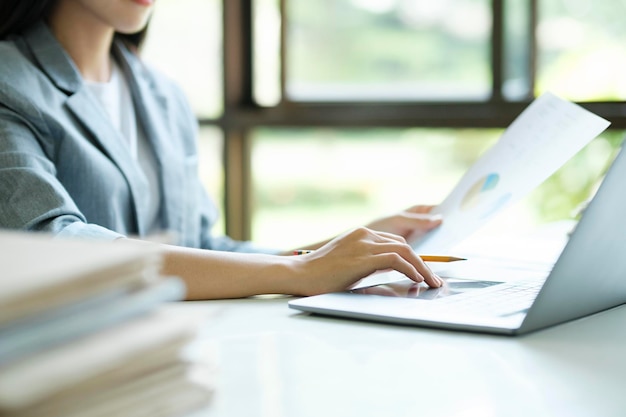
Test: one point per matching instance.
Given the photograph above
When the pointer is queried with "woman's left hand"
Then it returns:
(411, 223)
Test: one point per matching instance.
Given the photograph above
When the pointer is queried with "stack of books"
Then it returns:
(86, 330)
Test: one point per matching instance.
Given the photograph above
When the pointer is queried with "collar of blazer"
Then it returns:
(151, 110)
(52, 58)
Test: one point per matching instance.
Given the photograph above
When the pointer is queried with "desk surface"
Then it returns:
(274, 361)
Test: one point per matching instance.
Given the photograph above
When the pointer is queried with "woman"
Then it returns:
(95, 144)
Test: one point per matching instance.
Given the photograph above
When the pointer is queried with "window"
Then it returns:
(327, 180)
(185, 41)
(582, 49)
(387, 50)
(335, 111)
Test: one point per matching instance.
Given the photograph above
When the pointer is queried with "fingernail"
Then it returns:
(438, 280)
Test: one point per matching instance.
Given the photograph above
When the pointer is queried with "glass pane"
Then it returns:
(517, 50)
(267, 72)
(313, 184)
(185, 42)
(582, 49)
(563, 195)
(211, 169)
(388, 50)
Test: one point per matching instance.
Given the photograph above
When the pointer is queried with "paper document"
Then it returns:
(543, 138)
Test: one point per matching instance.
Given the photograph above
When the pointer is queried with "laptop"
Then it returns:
(588, 276)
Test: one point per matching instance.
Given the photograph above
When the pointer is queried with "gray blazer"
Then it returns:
(63, 168)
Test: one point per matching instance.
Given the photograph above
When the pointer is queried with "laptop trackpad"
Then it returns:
(409, 289)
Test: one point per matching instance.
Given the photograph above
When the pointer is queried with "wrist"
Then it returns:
(291, 275)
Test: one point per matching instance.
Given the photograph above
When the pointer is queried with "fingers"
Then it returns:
(420, 209)
(414, 220)
(417, 225)
(424, 221)
(384, 237)
(422, 213)
(434, 280)
(404, 260)
(392, 251)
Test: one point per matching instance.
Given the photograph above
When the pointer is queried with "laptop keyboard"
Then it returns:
(500, 300)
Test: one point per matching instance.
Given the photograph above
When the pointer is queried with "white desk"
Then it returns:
(273, 361)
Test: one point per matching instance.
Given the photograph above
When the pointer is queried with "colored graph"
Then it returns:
(480, 192)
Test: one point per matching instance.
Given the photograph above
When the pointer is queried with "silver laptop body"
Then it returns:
(589, 276)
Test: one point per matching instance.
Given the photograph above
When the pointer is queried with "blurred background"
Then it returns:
(317, 116)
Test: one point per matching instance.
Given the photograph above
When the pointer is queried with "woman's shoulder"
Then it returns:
(20, 81)
(35, 63)
(21, 77)
(23, 87)
(14, 65)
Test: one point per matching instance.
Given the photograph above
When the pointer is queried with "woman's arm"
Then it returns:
(335, 266)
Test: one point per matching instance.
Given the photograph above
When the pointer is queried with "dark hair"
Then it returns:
(18, 15)
(133, 40)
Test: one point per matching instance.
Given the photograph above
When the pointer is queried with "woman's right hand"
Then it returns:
(348, 258)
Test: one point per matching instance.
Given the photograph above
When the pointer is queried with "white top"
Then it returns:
(117, 101)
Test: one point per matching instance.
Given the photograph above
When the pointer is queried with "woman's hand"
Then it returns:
(345, 260)
(411, 224)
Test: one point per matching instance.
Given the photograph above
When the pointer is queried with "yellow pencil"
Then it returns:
(440, 258)
(425, 258)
